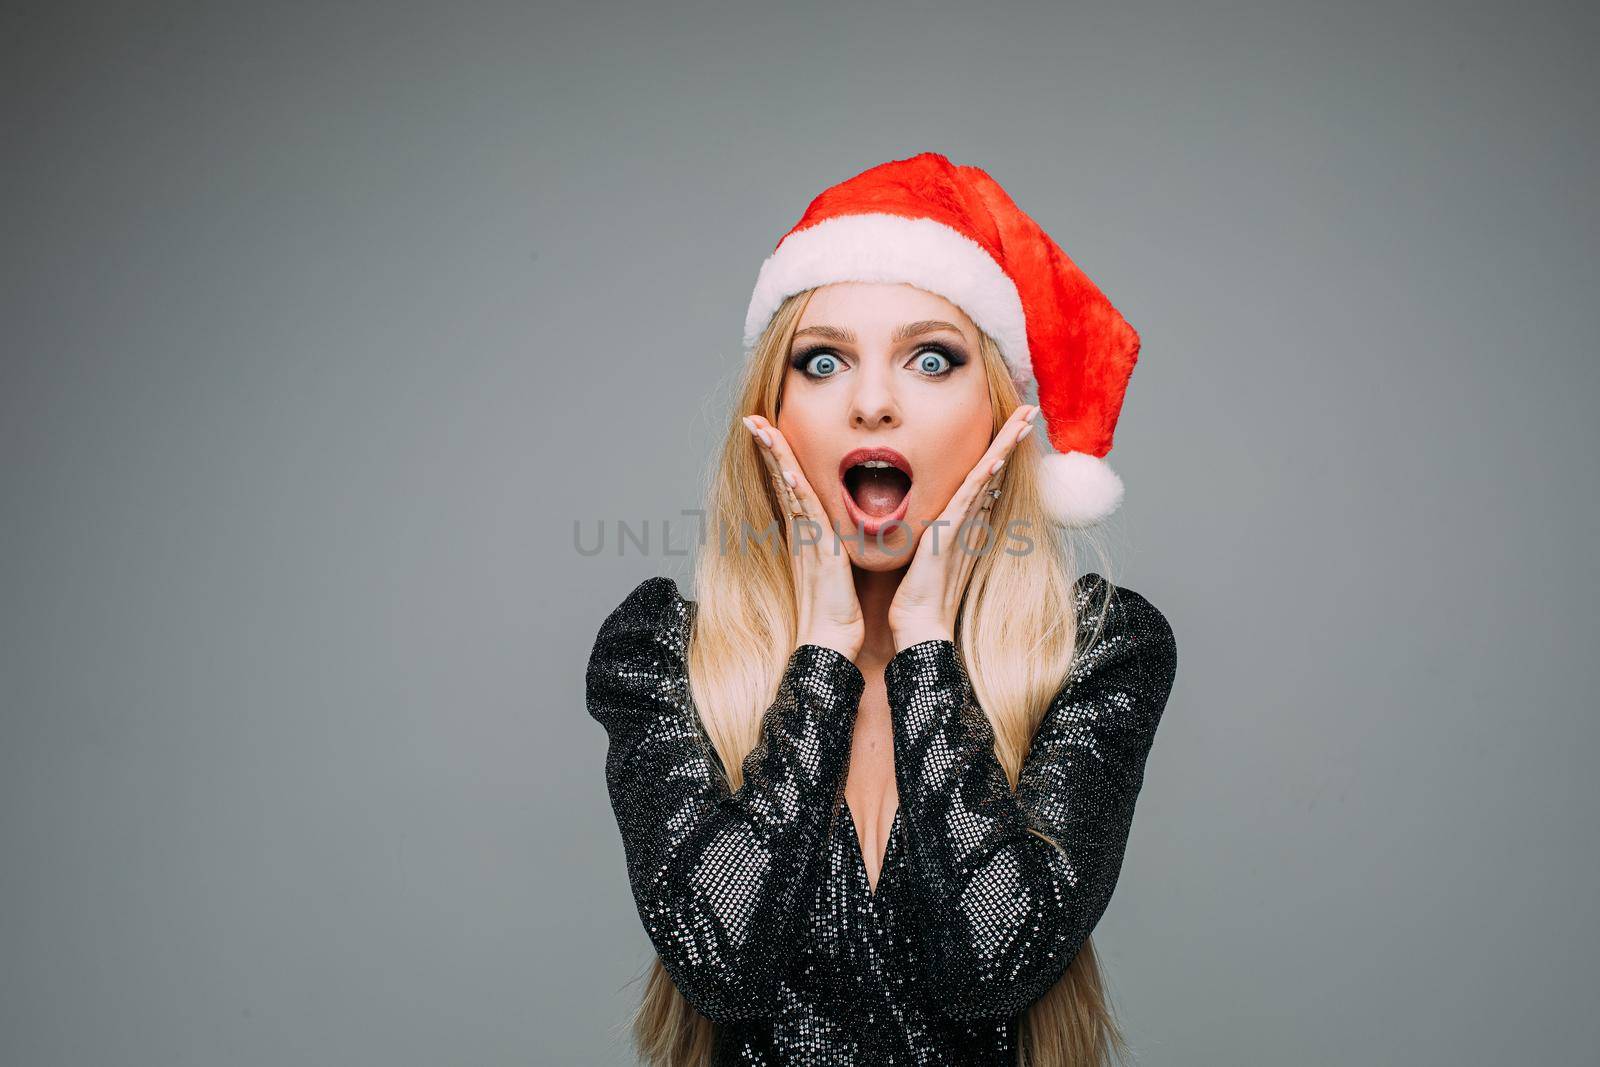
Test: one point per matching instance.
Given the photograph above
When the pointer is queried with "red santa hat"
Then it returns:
(953, 231)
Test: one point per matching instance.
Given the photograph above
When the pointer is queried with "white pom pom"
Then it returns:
(1079, 489)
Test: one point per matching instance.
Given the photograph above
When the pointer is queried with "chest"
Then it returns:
(871, 800)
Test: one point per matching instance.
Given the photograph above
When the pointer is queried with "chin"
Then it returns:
(879, 561)
(898, 548)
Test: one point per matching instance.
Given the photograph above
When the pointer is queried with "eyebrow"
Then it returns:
(909, 330)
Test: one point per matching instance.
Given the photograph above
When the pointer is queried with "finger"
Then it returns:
(975, 528)
(800, 500)
(775, 474)
(782, 457)
(971, 506)
(984, 475)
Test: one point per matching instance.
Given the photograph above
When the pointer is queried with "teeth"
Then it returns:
(877, 463)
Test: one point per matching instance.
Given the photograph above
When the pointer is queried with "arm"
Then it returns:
(1007, 912)
(717, 876)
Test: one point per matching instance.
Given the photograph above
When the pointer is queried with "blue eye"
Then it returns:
(821, 365)
(935, 363)
(816, 363)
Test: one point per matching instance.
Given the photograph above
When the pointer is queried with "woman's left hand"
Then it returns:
(929, 595)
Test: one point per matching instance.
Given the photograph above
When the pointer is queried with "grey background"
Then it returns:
(323, 324)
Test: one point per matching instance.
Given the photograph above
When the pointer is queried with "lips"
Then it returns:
(877, 487)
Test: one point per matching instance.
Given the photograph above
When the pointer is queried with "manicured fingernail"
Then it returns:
(789, 477)
(765, 439)
(1026, 430)
(997, 465)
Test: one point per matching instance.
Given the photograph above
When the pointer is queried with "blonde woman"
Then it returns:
(875, 781)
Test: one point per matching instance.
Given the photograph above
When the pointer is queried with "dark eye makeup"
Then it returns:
(802, 358)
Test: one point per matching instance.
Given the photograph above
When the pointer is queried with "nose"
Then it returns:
(873, 404)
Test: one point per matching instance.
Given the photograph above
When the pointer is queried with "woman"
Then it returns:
(875, 782)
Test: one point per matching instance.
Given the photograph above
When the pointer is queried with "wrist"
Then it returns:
(916, 633)
(846, 645)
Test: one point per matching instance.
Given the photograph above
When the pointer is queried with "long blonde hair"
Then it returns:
(1017, 632)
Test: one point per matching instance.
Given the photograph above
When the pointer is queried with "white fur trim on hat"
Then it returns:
(891, 248)
(1078, 489)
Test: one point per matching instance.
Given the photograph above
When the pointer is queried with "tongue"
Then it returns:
(879, 490)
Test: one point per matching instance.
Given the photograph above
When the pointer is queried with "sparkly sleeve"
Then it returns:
(716, 875)
(1005, 911)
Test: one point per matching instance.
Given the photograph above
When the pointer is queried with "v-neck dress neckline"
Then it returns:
(890, 839)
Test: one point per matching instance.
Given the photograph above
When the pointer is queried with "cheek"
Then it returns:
(810, 446)
(935, 489)
(960, 448)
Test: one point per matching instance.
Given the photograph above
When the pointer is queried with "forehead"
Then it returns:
(877, 308)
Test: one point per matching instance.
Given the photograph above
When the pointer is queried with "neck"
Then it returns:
(875, 590)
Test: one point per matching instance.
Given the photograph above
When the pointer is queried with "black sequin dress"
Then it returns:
(757, 901)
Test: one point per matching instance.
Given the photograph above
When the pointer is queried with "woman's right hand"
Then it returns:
(824, 581)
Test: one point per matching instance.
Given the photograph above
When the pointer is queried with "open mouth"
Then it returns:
(877, 486)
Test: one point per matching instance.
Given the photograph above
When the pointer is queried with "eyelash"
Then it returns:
(799, 360)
